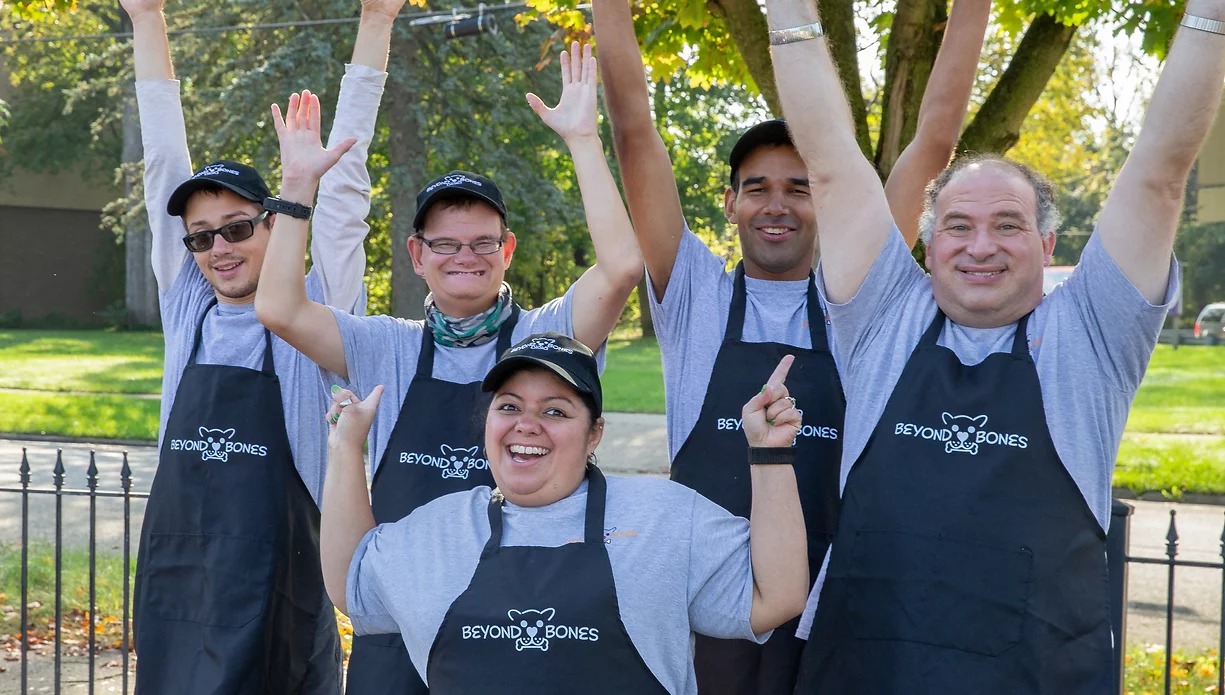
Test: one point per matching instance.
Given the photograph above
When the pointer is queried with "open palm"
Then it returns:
(575, 114)
(303, 156)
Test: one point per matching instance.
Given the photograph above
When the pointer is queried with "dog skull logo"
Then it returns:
(215, 451)
(458, 461)
(963, 428)
(532, 622)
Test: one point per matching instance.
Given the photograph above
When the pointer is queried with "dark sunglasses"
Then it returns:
(233, 232)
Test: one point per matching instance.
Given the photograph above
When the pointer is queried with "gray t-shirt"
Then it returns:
(692, 319)
(384, 350)
(672, 578)
(1091, 340)
(232, 335)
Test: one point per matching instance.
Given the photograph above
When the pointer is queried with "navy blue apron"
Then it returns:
(229, 591)
(436, 447)
(966, 558)
(714, 461)
(554, 623)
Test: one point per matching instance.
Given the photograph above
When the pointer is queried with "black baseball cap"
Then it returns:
(458, 184)
(240, 178)
(560, 354)
(766, 133)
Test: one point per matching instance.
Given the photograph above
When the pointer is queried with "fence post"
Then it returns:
(1116, 568)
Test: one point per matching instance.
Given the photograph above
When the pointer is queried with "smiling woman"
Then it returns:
(558, 579)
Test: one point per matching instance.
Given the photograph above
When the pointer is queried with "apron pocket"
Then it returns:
(933, 590)
(213, 580)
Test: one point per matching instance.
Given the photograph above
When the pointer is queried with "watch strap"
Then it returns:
(771, 455)
(284, 207)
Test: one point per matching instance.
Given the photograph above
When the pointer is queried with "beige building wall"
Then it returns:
(1211, 175)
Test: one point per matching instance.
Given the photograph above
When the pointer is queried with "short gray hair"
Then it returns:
(1049, 217)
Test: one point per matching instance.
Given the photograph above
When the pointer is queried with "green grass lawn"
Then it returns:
(85, 384)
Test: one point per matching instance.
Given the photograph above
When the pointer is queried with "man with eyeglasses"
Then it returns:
(427, 439)
(229, 594)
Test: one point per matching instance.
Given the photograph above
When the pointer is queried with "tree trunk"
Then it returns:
(747, 26)
(997, 126)
(918, 27)
(406, 154)
(140, 285)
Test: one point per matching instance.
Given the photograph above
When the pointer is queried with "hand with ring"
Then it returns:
(770, 419)
(350, 417)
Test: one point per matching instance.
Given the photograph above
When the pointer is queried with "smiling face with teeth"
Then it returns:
(987, 254)
(538, 434)
(232, 269)
(464, 284)
(773, 213)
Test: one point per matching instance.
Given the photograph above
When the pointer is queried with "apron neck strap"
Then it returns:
(593, 521)
(195, 345)
(425, 361)
(933, 329)
(1020, 340)
(735, 313)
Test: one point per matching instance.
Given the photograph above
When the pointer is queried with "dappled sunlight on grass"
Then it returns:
(1166, 462)
(102, 416)
(95, 361)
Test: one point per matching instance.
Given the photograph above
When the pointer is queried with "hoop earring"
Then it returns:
(591, 459)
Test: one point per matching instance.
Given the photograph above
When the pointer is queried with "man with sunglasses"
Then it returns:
(229, 595)
(427, 440)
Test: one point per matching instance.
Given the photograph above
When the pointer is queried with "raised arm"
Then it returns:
(600, 294)
(646, 169)
(778, 544)
(281, 302)
(1140, 218)
(163, 135)
(853, 218)
(344, 193)
(345, 513)
(940, 115)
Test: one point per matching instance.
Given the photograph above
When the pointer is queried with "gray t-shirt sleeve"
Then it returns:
(363, 584)
(720, 573)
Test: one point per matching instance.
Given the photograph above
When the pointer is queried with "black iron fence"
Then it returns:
(60, 491)
(1117, 556)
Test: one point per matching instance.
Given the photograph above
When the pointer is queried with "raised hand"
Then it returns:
(349, 417)
(575, 114)
(770, 418)
(389, 8)
(304, 159)
(136, 8)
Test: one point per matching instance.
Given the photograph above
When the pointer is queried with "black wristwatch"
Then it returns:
(284, 207)
(766, 455)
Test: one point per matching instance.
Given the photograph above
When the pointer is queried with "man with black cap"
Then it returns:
(229, 596)
(720, 333)
(429, 443)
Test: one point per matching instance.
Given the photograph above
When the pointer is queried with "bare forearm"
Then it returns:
(345, 519)
(1140, 218)
(151, 47)
(646, 168)
(853, 217)
(1184, 103)
(616, 250)
(778, 546)
(373, 41)
(282, 285)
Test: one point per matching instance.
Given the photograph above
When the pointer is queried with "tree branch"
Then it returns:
(747, 26)
(918, 28)
(997, 125)
(838, 19)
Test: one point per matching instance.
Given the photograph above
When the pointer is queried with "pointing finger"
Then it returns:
(780, 372)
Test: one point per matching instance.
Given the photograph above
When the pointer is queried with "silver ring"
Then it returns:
(349, 401)
(792, 399)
